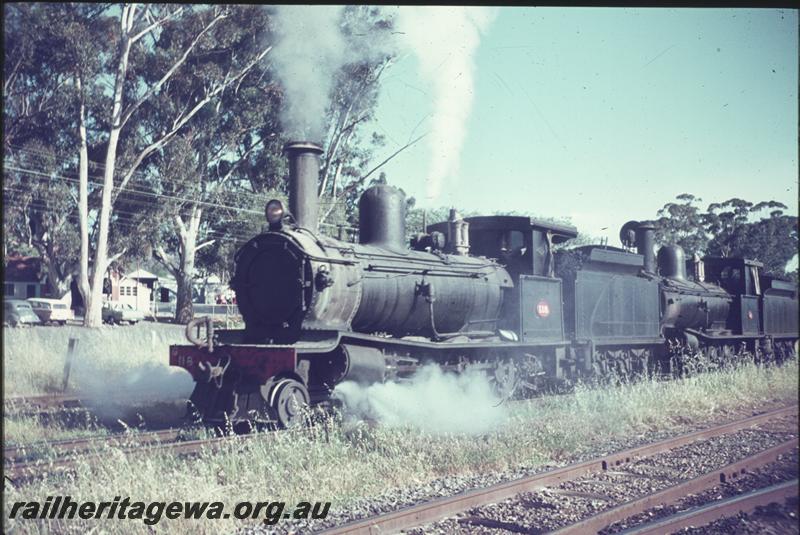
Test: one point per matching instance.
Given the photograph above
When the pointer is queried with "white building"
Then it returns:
(135, 289)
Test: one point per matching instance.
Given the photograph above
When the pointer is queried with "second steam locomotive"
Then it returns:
(490, 293)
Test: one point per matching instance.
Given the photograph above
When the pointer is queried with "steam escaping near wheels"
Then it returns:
(432, 400)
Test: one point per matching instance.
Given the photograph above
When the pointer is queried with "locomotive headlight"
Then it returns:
(274, 212)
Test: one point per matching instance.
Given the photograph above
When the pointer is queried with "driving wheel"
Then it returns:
(288, 401)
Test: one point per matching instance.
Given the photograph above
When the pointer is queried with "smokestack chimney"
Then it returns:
(645, 240)
(303, 182)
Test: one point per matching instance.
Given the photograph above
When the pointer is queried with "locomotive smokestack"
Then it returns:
(303, 182)
(645, 240)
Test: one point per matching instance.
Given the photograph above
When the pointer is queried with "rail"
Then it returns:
(15, 454)
(438, 509)
(675, 493)
(166, 441)
(46, 401)
(701, 516)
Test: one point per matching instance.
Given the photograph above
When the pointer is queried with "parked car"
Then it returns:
(17, 312)
(51, 310)
(114, 312)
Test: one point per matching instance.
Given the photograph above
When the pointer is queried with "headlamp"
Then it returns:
(274, 212)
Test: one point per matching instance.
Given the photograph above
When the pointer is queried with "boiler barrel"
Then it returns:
(396, 294)
(689, 305)
(292, 281)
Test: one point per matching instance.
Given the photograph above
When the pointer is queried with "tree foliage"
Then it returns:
(134, 131)
(734, 228)
(682, 223)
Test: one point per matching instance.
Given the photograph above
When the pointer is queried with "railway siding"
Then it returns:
(591, 503)
(576, 491)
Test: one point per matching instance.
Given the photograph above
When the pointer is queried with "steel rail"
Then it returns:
(76, 445)
(25, 471)
(440, 508)
(43, 401)
(33, 469)
(707, 514)
(675, 493)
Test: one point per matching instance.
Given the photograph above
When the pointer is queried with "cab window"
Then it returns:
(513, 241)
(755, 286)
(730, 278)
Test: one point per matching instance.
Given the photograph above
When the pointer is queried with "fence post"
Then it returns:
(73, 343)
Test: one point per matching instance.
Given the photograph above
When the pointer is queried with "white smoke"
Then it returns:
(433, 401)
(146, 382)
(119, 371)
(313, 44)
(309, 51)
(114, 370)
(445, 39)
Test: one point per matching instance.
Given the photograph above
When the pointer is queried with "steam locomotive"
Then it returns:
(493, 293)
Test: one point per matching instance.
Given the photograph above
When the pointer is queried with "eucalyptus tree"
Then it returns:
(40, 130)
(200, 175)
(736, 227)
(39, 216)
(349, 142)
(232, 155)
(109, 70)
(740, 228)
(683, 223)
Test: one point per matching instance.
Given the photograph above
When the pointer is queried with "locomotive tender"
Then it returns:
(489, 293)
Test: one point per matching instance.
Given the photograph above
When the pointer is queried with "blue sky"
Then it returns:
(603, 115)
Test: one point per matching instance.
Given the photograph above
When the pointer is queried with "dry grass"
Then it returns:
(33, 358)
(21, 430)
(342, 462)
(120, 370)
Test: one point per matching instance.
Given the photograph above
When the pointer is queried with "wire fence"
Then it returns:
(227, 314)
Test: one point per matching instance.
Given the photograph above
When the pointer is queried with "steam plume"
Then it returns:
(433, 401)
(445, 39)
(309, 51)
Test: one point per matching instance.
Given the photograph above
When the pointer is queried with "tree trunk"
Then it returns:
(184, 311)
(185, 276)
(83, 199)
(94, 303)
(58, 284)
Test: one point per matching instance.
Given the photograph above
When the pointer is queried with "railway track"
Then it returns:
(47, 401)
(70, 453)
(436, 510)
(702, 516)
(675, 493)
(20, 454)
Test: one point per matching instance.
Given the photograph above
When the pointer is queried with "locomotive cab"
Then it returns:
(524, 245)
(740, 278)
